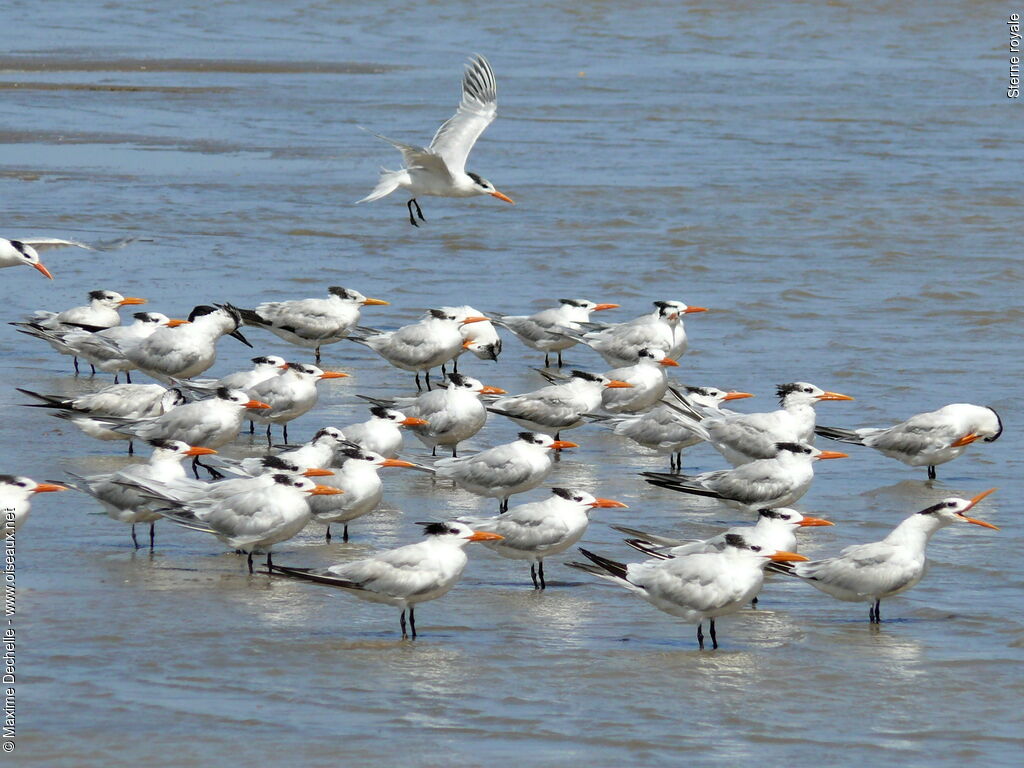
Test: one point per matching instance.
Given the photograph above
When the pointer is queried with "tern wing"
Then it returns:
(417, 157)
(49, 243)
(478, 108)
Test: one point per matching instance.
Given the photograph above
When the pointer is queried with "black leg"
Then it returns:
(931, 473)
(76, 366)
(252, 427)
(503, 506)
(559, 359)
(433, 451)
(152, 534)
(135, 541)
(249, 561)
(131, 447)
(455, 451)
(455, 365)
(540, 573)
(412, 220)
(428, 379)
(418, 211)
(269, 443)
(401, 623)
(128, 376)
(753, 603)
(195, 466)
(270, 561)
(115, 377)
(444, 371)
(547, 360)
(533, 575)
(318, 355)
(412, 620)
(714, 639)
(418, 387)
(328, 536)
(344, 534)
(700, 637)
(92, 369)
(286, 434)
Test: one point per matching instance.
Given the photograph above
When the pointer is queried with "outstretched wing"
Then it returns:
(417, 157)
(456, 137)
(48, 243)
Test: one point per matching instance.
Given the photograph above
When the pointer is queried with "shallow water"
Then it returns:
(835, 181)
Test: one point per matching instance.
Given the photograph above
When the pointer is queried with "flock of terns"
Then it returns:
(253, 504)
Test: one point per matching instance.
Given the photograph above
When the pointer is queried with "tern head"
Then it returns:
(264, 362)
(305, 485)
(789, 517)
(582, 498)
(26, 254)
(304, 370)
(736, 544)
(353, 297)
(239, 398)
(482, 186)
(954, 509)
(545, 442)
(172, 398)
(458, 381)
(455, 533)
(112, 299)
(328, 436)
(176, 449)
(658, 356)
(396, 417)
(804, 393)
(231, 319)
(278, 466)
(806, 451)
(712, 397)
(673, 310)
(16, 486)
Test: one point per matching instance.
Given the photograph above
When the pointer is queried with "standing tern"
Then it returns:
(746, 437)
(439, 169)
(647, 379)
(558, 407)
(870, 572)
(311, 323)
(662, 329)
(927, 439)
(126, 504)
(429, 343)
(775, 482)
(506, 469)
(264, 367)
(453, 413)
(382, 432)
(289, 394)
(188, 350)
(402, 577)
(254, 520)
(541, 528)
(15, 499)
(546, 330)
(694, 587)
(26, 250)
(363, 490)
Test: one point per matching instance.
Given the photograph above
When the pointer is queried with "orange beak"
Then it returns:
(283, 366)
(333, 375)
(475, 319)
(493, 391)
(500, 196)
(483, 536)
(412, 421)
(315, 472)
(967, 439)
(49, 488)
(175, 323)
(198, 450)
(833, 455)
(616, 384)
(131, 300)
(668, 361)
(782, 556)
(602, 307)
(607, 504)
(737, 395)
(810, 522)
(324, 490)
(396, 463)
(375, 302)
(467, 343)
(833, 396)
(974, 501)
(43, 269)
(256, 404)
(560, 444)
(691, 310)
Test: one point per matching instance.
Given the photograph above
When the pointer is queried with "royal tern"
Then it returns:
(695, 587)
(129, 402)
(927, 439)
(402, 577)
(746, 437)
(545, 330)
(453, 413)
(187, 351)
(357, 477)
(480, 338)
(126, 504)
(439, 169)
(870, 572)
(775, 482)
(429, 343)
(26, 250)
(289, 394)
(664, 429)
(254, 520)
(264, 367)
(382, 432)
(647, 379)
(662, 329)
(15, 499)
(558, 407)
(311, 323)
(506, 469)
(541, 528)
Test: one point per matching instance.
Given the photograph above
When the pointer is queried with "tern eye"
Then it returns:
(951, 504)
(808, 390)
(453, 530)
(577, 498)
(755, 548)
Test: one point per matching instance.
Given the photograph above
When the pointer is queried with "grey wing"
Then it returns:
(912, 436)
(478, 108)
(549, 409)
(877, 564)
(742, 436)
(747, 487)
(527, 532)
(401, 572)
(419, 157)
(48, 243)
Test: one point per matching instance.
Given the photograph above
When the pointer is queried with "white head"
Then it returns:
(311, 372)
(349, 296)
(456, 534)
(23, 253)
(673, 311)
(390, 415)
(597, 380)
(176, 450)
(221, 319)
(789, 518)
(804, 393)
(331, 436)
(278, 465)
(954, 509)
(469, 384)
(804, 451)
(712, 397)
(238, 398)
(304, 485)
(16, 487)
(576, 497)
(654, 356)
(350, 453)
(482, 186)
(736, 545)
(268, 362)
(111, 299)
(544, 442)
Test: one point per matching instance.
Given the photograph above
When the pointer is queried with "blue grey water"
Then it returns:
(839, 182)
